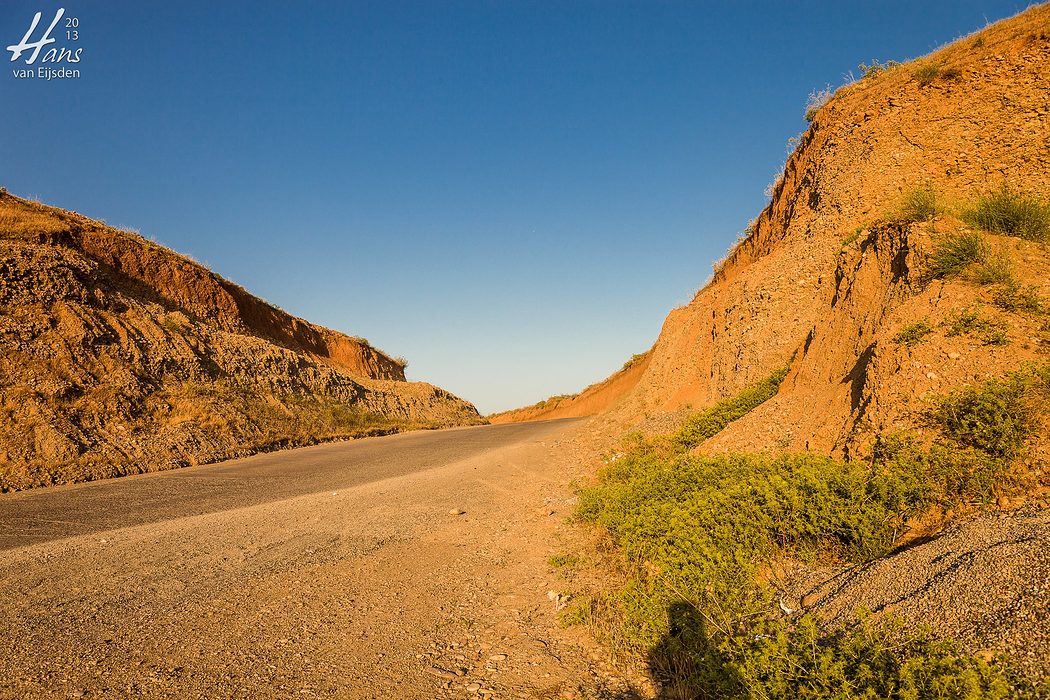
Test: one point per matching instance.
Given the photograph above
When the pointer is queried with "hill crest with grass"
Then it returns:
(120, 356)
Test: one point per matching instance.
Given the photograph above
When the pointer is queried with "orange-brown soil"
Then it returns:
(829, 274)
(591, 401)
(120, 356)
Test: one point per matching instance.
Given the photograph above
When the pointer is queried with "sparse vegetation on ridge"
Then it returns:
(635, 359)
(920, 204)
(874, 69)
(929, 73)
(926, 73)
(1011, 213)
(914, 333)
(816, 100)
(26, 221)
(955, 253)
(712, 421)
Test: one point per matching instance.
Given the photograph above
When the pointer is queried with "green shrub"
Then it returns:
(635, 359)
(709, 423)
(870, 660)
(698, 530)
(559, 561)
(926, 73)
(955, 253)
(997, 417)
(948, 474)
(1020, 299)
(914, 333)
(997, 336)
(708, 523)
(969, 321)
(995, 269)
(920, 204)
(1011, 214)
(697, 533)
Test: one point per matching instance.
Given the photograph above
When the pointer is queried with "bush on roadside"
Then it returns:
(700, 534)
(875, 659)
(996, 417)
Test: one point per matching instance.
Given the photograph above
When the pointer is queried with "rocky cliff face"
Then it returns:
(120, 356)
(830, 274)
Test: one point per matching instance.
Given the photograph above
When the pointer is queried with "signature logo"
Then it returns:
(52, 55)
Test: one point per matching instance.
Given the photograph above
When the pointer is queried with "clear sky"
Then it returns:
(512, 195)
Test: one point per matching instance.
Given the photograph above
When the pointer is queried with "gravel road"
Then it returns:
(409, 566)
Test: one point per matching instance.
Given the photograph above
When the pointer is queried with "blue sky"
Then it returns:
(512, 195)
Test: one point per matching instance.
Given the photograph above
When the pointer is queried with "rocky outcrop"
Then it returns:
(119, 356)
(825, 279)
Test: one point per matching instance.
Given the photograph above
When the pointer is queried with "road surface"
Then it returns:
(408, 566)
(47, 514)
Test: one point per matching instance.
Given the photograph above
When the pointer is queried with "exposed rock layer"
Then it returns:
(120, 356)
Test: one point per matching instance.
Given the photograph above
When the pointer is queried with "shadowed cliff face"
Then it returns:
(120, 356)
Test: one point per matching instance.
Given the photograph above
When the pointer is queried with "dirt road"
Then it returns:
(330, 571)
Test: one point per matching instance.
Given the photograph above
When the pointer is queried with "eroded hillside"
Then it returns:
(120, 356)
(830, 478)
(835, 268)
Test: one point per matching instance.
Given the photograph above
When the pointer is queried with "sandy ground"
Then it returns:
(375, 590)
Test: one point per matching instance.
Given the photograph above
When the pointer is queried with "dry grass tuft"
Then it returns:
(18, 220)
